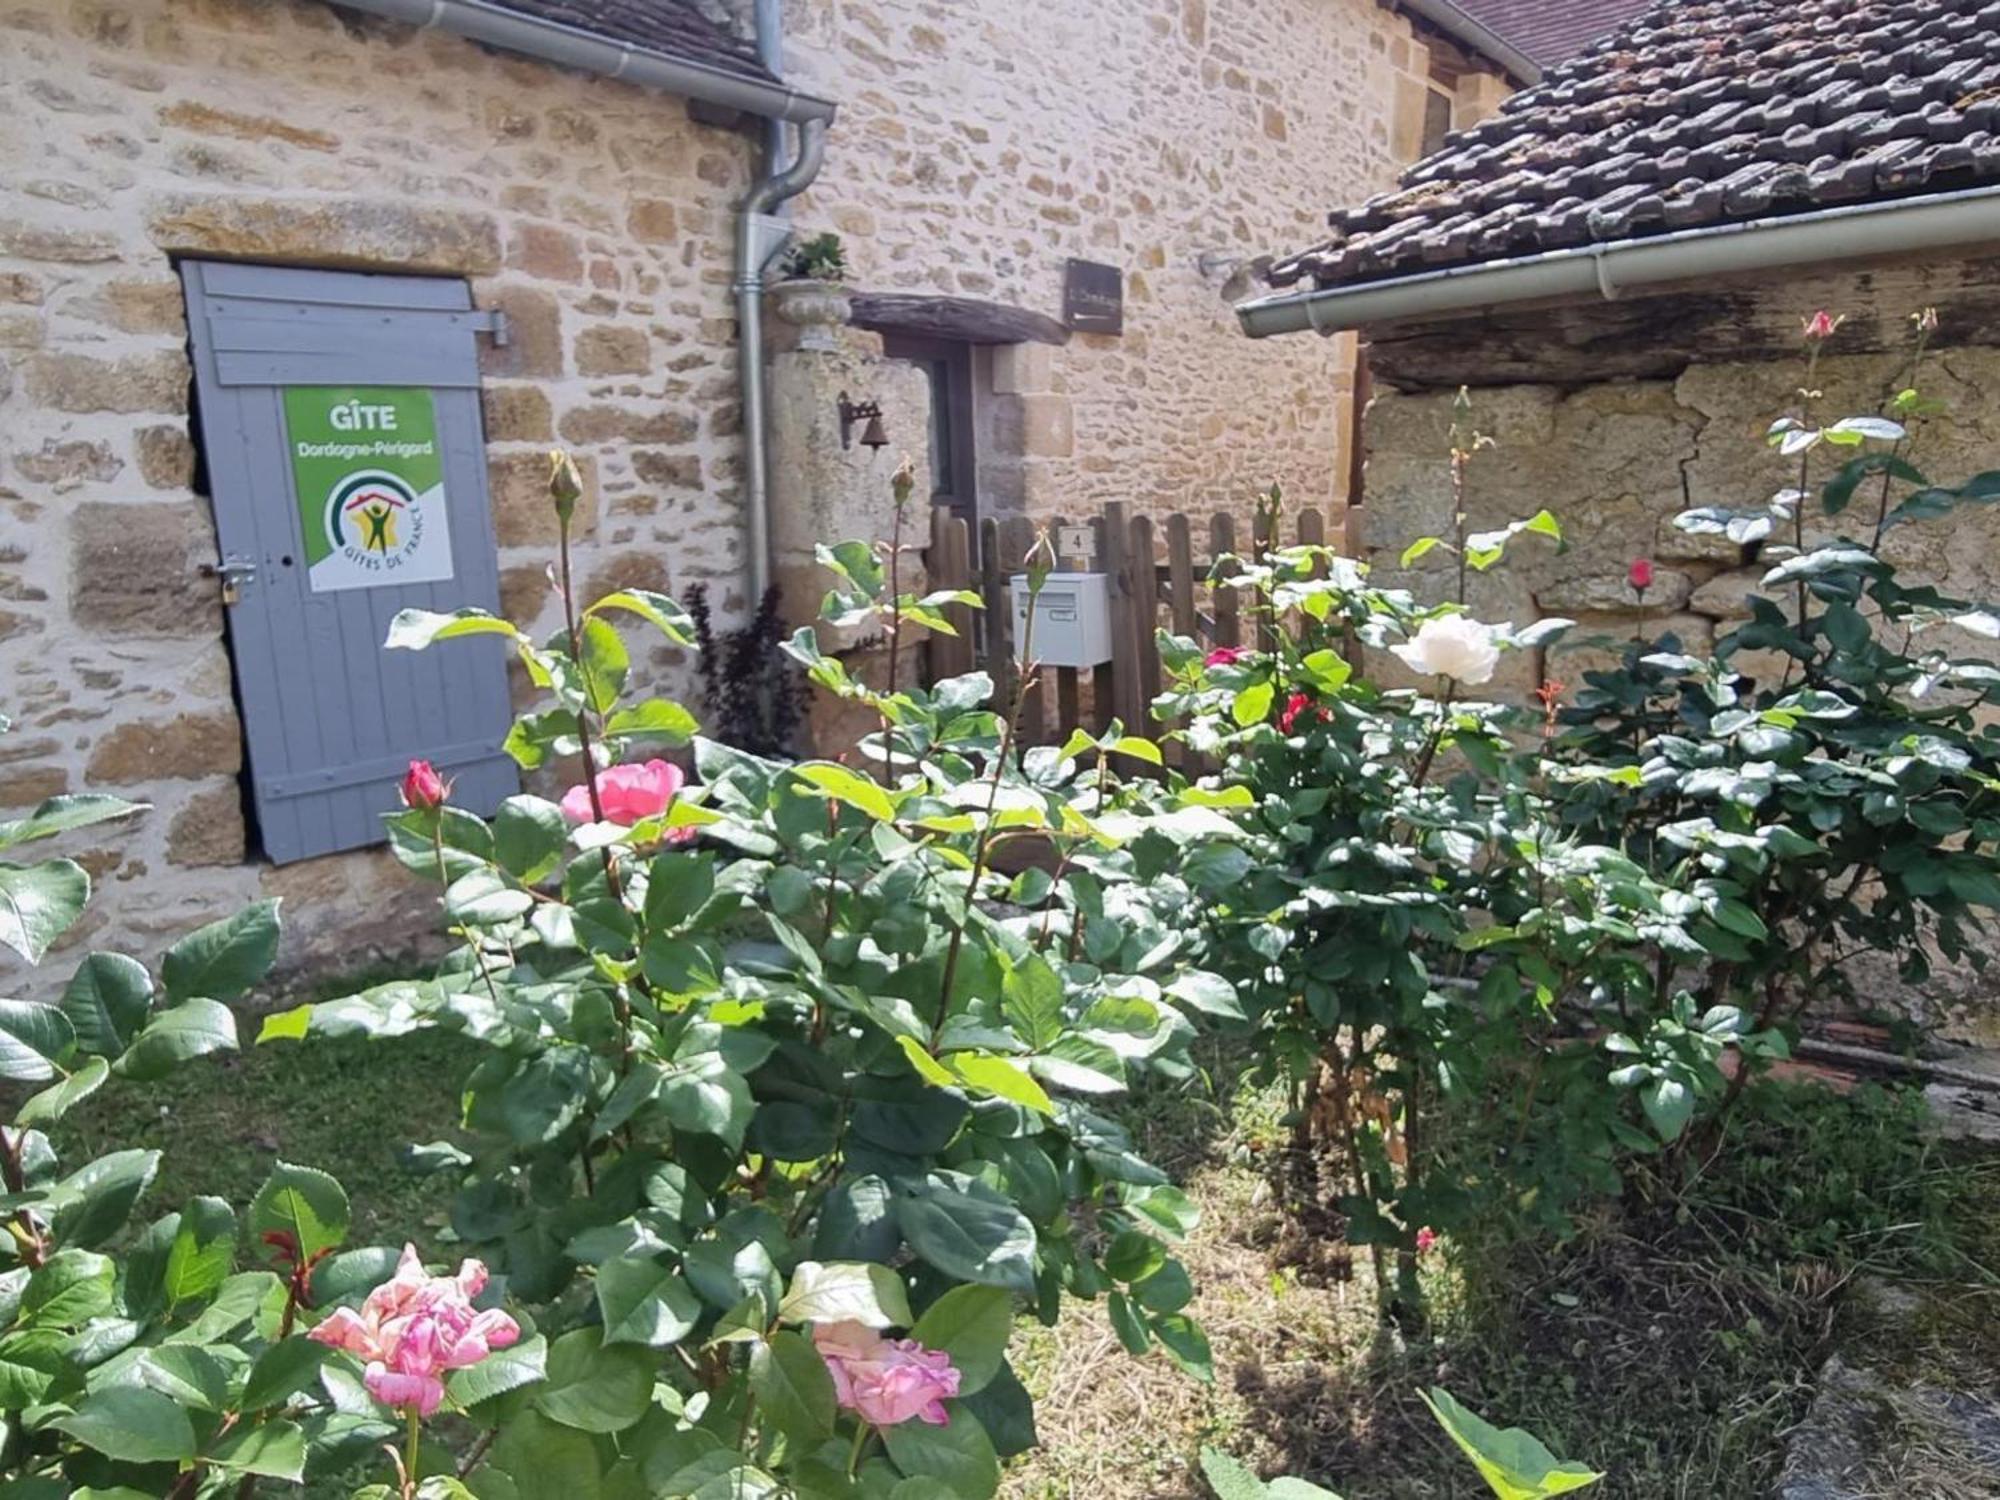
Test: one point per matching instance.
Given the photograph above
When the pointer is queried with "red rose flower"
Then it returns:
(423, 788)
(1641, 574)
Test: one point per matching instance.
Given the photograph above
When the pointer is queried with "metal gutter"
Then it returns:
(573, 47)
(1456, 23)
(1970, 216)
(749, 288)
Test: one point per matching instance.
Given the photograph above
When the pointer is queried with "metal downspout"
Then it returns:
(749, 288)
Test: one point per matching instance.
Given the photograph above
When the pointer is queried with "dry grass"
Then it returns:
(1673, 1346)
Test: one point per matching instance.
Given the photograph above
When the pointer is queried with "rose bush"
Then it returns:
(1588, 925)
(793, 1077)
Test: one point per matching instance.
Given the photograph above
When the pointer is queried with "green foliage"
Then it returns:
(1514, 1464)
(820, 258)
(1596, 920)
(783, 1051)
(132, 1353)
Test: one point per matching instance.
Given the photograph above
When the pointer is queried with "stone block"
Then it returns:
(534, 344)
(20, 330)
(613, 349)
(378, 233)
(187, 747)
(1023, 369)
(628, 568)
(546, 253)
(654, 221)
(71, 244)
(209, 829)
(1037, 426)
(190, 114)
(592, 425)
(27, 786)
(18, 286)
(66, 464)
(517, 413)
(144, 306)
(522, 513)
(1727, 596)
(1608, 592)
(156, 382)
(135, 570)
(166, 456)
(525, 592)
(672, 471)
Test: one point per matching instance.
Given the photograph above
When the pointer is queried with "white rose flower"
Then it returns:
(1452, 646)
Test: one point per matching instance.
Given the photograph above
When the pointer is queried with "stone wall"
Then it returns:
(1616, 461)
(596, 214)
(979, 146)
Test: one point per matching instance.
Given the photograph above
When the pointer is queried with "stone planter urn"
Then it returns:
(818, 309)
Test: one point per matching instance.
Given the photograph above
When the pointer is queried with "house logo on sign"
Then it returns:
(370, 482)
(375, 520)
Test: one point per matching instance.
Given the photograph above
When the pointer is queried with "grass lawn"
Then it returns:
(346, 1107)
(1670, 1343)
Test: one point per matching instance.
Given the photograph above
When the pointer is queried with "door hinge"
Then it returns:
(493, 320)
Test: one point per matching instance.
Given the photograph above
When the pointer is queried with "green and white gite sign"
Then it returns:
(370, 482)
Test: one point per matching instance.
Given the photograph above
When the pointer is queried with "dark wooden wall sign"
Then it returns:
(1093, 297)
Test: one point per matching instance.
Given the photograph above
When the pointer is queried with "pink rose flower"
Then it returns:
(1640, 575)
(423, 788)
(631, 794)
(416, 1326)
(1822, 326)
(886, 1381)
(1225, 656)
(1427, 1238)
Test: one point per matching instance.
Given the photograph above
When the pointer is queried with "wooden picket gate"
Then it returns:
(1157, 578)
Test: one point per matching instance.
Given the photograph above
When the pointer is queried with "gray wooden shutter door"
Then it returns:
(332, 720)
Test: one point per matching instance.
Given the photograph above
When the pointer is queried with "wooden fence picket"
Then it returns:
(1154, 577)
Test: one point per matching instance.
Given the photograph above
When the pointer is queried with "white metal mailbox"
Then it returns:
(1072, 619)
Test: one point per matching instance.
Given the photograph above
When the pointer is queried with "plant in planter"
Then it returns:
(790, 1101)
(820, 258)
(809, 293)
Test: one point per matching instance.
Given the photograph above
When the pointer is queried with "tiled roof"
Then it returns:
(674, 27)
(1697, 114)
(1551, 30)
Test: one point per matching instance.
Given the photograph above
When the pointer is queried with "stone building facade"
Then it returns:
(982, 146)
(978, 147)
(594, 213)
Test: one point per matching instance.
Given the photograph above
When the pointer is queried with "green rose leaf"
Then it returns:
(39, 902)
(970, 1233)
(202, 1253)
(1514, 1463)
(595, 1387)
(107, 1001)
(132, 1425)
(972, 1324)
(644, 1302)
(192, 1029)
(959, 1454)
(32, 1037)
(852, 1292)
(222, 960)
(307, 1205)
(92, 1204)
(793, 1387)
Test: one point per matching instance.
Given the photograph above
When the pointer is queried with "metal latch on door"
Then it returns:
(236, 572)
